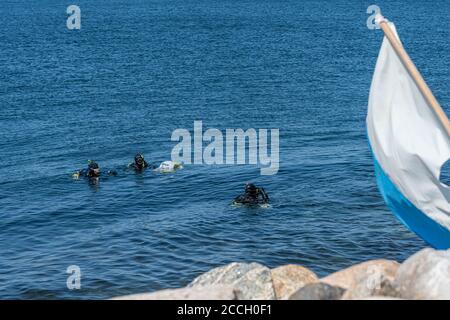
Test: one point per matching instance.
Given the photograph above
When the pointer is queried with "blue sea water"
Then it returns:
(136, 71)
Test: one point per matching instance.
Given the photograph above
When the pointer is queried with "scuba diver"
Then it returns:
(139, 163)
(252, 196)
(92, 171)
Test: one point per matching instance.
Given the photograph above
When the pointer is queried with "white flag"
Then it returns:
(409, 145)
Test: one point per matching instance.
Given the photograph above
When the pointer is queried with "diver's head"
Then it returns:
(250, 188)
(93, 169)
(139, 160)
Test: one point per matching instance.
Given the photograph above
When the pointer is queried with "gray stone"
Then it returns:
(425, 275)
(318, 291)
(195, 293)
(251, 280)
(289, 278)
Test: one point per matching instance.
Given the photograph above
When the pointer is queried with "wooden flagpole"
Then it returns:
(415, 74)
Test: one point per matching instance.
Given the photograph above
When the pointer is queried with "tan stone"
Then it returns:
(350, 277)
(379, 298)
(371, 286)
(194, 293)
(289, 278)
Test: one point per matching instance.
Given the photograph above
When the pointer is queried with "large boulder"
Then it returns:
(425, 275)
(370, 273)
(251, 280)
(318, 291)
(195, 293)
(289, 278)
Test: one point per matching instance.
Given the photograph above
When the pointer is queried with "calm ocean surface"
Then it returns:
(136, 71)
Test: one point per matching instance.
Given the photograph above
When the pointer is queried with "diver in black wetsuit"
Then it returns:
(92, 171)
(139, 163)
(252, 196)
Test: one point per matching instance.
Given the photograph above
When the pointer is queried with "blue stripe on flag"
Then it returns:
(429, 230)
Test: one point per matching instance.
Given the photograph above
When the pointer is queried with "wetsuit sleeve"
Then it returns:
(264, 195)
(78, 174)
(153, 165)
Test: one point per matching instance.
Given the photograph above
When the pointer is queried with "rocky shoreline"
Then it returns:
(424, 275)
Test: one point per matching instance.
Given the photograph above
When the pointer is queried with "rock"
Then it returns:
(195, 293)
(289, 278)
(371, 286)
(318, 291)
(252, 280)
(380, 298)
(369, 271)
(425, 275)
